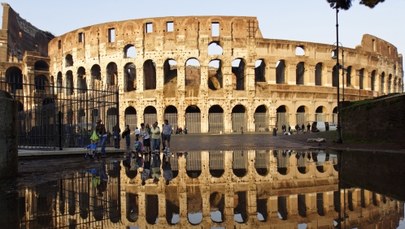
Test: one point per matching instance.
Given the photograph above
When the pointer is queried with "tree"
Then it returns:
(346, 4)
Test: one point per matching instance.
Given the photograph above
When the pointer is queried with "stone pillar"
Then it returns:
(8, 136)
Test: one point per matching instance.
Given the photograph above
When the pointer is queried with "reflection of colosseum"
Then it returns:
(218, 73)
(224, 189)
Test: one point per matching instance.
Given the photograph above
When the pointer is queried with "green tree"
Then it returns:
(346, 4)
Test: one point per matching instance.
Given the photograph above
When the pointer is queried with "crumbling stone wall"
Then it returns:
(379, 120)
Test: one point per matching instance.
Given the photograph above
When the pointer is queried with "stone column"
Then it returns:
(8, 136)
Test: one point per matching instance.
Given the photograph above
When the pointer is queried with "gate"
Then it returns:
(172, 118)
(193, 122)
(238, 122)
(261, 122)
(215, 122)
(50, 117)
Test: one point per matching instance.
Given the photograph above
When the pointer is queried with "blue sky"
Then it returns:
(304, 20)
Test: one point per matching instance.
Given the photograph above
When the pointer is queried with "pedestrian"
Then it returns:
(127, 136)
(308, 127)
(166, 134)
(155, 130)
(116, 136)
(100, 129)
(145, 134)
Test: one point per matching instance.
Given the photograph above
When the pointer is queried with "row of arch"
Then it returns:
(215, 73)
(239, 117)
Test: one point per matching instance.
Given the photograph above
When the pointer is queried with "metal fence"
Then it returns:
(50, 117)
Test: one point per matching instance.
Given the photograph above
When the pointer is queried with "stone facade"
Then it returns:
(218, 74)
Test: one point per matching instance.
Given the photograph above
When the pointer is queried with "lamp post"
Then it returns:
(338, 127)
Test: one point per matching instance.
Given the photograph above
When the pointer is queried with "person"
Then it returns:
(145, 134)
(308, 127)
(155, 130)
(127, 136)
(146, 169)
(166, 134)
(155, 167)
(100, 129)
(116, 136)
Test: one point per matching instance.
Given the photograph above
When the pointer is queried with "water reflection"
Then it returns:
(284, 188)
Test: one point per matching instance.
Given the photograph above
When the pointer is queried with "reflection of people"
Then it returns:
(100, 129)
(127, 135)
(167, 170)
(155, 167)
(146, 169)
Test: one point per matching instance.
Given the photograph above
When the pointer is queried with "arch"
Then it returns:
(194, 205)
(112, 74)
(334, 115)
(170, 72)
(81, 80)
(152, 208)
(299, 73)
(193, 119)
(280, 72)
(14, 78)
(239, 122)
(217, 207)
(261, 119)
(389, 83)
(150, 115)
(260, 71)
(95, 72)
(382, 82)
(130, 117)
(282, 117)
(335, 76)
(129, 51)
(172, 206)
(132, 207)
(68, 60)
(262, 162)
(41, 82)
(373, 75)
(59, 82)
(318, 74)
(69, 83)
(361, 78)
(41, 65)
(214, 48)
(149, 75)
(216, 166)
(348, 76)
(240, 209)
(129, 77)
(302, 208)
(215, 78)
(299, 50)
(171, 115)
(301, 118)
(215, 119)
(320, 114)
(238, 72)
(193, 73)
(112, 118)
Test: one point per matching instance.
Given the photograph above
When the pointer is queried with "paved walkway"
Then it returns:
(210, 142)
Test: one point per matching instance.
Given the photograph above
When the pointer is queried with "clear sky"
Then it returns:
(304, 20)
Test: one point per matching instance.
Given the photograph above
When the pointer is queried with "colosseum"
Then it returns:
(209, 74)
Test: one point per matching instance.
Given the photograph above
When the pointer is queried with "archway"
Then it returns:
(261, 119)
(171, 116)
(130, 117)
(239, 119)
(193, 119)
(215, 119)
(150, 115)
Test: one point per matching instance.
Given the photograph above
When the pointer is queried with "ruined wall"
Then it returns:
(379, 120)
(21, 36)
(250, 94)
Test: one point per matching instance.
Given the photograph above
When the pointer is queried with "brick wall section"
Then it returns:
(379, 120)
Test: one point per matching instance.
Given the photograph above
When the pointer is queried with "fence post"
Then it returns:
(60, 130)
(8, 136)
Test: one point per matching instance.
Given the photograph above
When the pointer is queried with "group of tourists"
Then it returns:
(150, 137)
